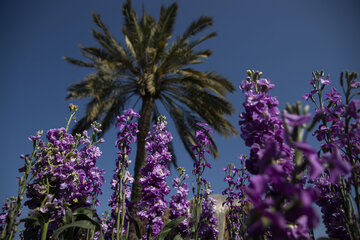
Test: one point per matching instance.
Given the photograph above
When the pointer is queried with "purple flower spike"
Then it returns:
(128, 128)
(152, 205)
(179, 206)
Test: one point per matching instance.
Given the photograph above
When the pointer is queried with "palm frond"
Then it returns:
(194, 43)
(88, 87)
(210, 80)
(209, 107)
(132, 31)
(78, 62)
(185, 123)
(167, 20)
(115, 109)
(197, 26)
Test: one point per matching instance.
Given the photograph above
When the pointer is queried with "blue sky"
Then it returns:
(285, 39)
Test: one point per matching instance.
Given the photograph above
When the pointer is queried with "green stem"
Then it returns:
(198, 201)
(121, 199)
(123, 212)
(118, 213)
(44, 231)
(68, 123)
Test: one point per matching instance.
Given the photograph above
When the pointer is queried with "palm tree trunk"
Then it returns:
(144, 128)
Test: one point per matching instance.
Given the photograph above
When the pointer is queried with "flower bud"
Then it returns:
(306, 109)
(249, 73)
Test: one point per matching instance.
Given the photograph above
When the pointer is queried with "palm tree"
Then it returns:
(152, 68)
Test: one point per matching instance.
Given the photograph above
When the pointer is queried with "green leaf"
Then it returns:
(198, 213)
(36, 218)
(178, 237)
(81, 224)
(168, 227)
(31, 220)
(84, 211)
(68, 218)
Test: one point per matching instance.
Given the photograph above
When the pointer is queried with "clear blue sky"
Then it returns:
(285, 39)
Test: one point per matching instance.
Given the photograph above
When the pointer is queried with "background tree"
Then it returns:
(152, 67)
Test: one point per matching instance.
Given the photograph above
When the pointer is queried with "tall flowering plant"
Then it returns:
(338, 132)
(179, 205)
(282, 204)
(65, 176)
(204, 222)
(11, 210)
(152, 205)
(122, 179)
(236, 199)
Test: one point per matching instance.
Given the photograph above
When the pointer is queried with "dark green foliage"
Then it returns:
(74, 222)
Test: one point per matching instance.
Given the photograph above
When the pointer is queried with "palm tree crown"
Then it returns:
(152, 67)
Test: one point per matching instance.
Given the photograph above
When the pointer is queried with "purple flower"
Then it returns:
(329, 200)
(204, 229)
(264, 84)
(338, 132)
(261, 123)
(208, 221)
(273, 187)
(309, 95)
(65, 175)
(179, 206)
(236, 199)
(333, 95)
(205, 126)
(352, 109)
(325, 81)
(337, 165)
(152, 205)
(354, 83)
(311, 155)
(296, 120)
(128, 129)
(6, 211)
(256, 189)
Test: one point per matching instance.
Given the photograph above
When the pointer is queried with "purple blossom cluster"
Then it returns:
(329, 201)
(205, 224)
(179, 205)
(122, 179)
(65, 175)
(236, 199)
(7, 210)
(152, 205)
(338, 128)
(13, 206)
(282, 206)
(261, 123)
(338, 132)
(201, 147)
(208, 221)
